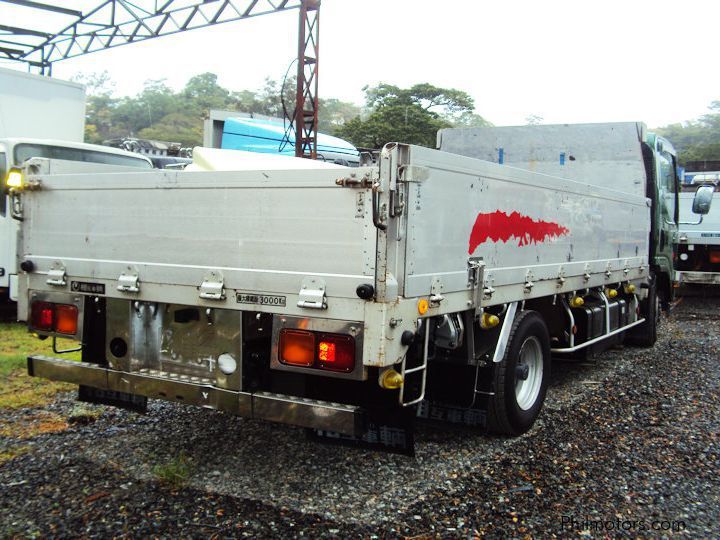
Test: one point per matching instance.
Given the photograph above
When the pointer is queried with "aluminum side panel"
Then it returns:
(607, 155)
(526, 226)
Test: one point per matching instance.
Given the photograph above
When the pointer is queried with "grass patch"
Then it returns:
(174, 472)
(29, 426)
(13, 452)
(17, 389)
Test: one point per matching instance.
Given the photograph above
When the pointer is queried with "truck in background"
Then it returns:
(257, 133)
(14, 152)
(698, 240)
(621, 156)
(41, 107)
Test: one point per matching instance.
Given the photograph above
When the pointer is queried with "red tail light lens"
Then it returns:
(49, 317)
(42, 316)
(715, 257)
(336, 352)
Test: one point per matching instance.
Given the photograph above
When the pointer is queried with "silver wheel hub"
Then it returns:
(530, 361)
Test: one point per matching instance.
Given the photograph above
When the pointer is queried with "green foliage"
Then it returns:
(696, 140)
(175, 472)
(411, 115)
(160, 113)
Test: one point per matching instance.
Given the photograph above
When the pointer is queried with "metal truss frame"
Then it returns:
(113, 23)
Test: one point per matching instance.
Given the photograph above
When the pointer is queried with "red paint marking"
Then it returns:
(499, 226)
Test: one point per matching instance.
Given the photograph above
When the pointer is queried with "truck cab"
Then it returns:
(663, 188)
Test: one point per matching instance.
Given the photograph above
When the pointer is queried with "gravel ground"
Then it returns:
(625, 444)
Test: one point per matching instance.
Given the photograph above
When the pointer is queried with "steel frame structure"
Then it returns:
(113, 23)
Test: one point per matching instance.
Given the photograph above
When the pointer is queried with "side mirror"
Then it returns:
(702, 200)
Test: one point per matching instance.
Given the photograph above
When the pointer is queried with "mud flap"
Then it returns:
(122, 400)
(396, 437)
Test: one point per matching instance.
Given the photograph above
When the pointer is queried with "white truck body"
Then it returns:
(40, 107)
(433, 234)
(13, 152)
(698, 244)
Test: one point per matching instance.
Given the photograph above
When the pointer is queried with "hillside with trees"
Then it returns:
(158, 112)
(696, 140)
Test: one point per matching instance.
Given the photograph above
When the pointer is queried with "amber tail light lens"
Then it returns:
(297, 347)
(49, 317)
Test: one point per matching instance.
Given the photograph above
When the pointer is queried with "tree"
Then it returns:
(411, 115)
(696, 140)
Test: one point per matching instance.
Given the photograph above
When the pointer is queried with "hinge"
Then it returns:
(312, 294)
(213, 287)
(436, 289)
(56, 275)
(129, 282)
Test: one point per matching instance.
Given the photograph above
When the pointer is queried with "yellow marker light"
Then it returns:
(391, 380)
(611, 293)
(423, 306)
(488, 320)
(630, 288)
(577, 301)
(14, 179)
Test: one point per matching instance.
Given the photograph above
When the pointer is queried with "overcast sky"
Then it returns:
(562, 60)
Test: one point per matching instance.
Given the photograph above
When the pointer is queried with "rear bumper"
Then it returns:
(706, 278)
(325, 415)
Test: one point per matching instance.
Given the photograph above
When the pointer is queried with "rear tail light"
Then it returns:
(297, 347)
(66, 319)
(715, 257)
(333, 352)
(336, 352)
(59, 318)
(43, 316)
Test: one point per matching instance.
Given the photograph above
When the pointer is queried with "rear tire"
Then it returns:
(521, 378)
(645, 334)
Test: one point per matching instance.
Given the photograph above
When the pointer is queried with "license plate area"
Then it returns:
(183, 343)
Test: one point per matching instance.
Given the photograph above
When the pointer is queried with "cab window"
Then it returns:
(667, 171)
(25, 151)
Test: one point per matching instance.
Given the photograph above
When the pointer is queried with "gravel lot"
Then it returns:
(625, 444)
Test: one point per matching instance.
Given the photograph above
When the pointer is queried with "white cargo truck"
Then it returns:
(13, 153)
(40, 107)
(346, 300)
(32, 106)
(698, 242)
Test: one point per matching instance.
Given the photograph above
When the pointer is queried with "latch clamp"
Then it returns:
(213, 287)
(56, 275)
(312, 294)
(129, 282)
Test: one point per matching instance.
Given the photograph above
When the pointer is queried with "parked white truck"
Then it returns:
(41, 117)
(698, 242)
(40, 107)
(347, 300)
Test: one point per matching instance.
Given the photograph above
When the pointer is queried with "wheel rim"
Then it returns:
(528, 390)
